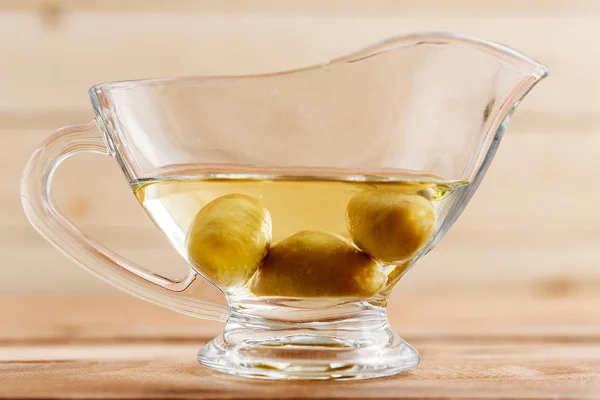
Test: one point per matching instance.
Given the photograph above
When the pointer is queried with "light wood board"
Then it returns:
(508, 345)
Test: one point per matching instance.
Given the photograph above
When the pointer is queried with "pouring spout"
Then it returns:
(460, 94)
(511, 56)
(455, 110)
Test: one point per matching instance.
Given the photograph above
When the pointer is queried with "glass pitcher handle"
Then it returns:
(43, 214)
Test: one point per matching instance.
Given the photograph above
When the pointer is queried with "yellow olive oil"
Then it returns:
(299, 237)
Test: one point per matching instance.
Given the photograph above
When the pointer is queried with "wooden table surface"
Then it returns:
(541, 344)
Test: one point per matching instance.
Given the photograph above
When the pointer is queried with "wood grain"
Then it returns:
(521, 344)
(329, 8)
(557, 312)
(53, 63)
(452, 371)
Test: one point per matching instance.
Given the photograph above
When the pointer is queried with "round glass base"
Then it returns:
(357, 346)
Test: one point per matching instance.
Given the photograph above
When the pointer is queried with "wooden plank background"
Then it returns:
(534, 222)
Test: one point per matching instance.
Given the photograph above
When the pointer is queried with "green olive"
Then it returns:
(228, 238)
(317, 264)
(389, 225)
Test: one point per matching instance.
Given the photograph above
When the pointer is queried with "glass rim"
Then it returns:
(501, 51)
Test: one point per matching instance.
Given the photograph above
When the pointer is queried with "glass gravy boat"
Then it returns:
(303, 195)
